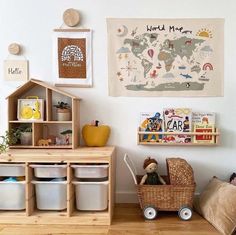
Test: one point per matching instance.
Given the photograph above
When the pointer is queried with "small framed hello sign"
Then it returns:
(16, 70)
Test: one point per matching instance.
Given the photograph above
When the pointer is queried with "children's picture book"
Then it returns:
(204, 118)
(151, 122)
(177, 120)
(204, 122)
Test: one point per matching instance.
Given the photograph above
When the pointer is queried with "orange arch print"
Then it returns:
(207, 66)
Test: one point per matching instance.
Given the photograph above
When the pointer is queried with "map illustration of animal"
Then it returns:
(165, 57)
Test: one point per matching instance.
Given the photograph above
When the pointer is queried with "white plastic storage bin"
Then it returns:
(12, 169)
(91, 196)
(12, 195)
(91, 171)
(49, 171)
(50, 195)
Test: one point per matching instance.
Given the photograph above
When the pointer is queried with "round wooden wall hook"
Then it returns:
(14, 48)
(71, 17)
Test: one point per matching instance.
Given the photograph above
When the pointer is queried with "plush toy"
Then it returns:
(151, 177)
(233, 179)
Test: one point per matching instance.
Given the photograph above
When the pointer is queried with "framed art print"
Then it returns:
(30, 109)
(72, 57)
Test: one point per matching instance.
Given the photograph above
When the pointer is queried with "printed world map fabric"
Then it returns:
(165, 57)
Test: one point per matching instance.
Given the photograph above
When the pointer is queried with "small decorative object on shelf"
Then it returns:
(181, 127)
(63, 111)
(23, 133)
(67, 136)
(30, 109)
(44, 142)
(95, 135)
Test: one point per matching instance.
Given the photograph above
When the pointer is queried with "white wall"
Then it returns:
(30, 23)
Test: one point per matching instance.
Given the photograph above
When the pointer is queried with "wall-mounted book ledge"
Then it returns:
(202, 137)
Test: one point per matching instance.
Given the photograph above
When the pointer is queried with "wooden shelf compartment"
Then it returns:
(54, 98)
(215, 135)
(31, 215)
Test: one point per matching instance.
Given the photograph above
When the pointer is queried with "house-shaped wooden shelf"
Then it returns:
(49, 127)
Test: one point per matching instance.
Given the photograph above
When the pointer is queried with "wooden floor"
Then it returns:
(127, 221)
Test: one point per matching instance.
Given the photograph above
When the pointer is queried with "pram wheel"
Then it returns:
(185, 213)
(149, 212)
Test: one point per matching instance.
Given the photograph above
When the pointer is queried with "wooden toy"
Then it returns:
(14, 49)
(71, 17)
(44, 142)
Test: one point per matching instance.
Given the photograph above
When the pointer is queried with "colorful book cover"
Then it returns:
(177, 120)
(151, 122)
(204, 122)
(204, 118)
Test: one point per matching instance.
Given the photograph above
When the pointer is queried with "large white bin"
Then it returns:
(12, 169)
(91, 196)
(49, 171)
(50, 195)
(12, 195)
(91, 171)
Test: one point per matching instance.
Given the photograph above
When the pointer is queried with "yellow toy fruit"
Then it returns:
(26, 112)
(95, 136)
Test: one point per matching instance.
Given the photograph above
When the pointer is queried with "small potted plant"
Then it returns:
(24, 134)
(7, 140)
(63, 111)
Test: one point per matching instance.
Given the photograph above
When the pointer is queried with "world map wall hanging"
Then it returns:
(165, 57)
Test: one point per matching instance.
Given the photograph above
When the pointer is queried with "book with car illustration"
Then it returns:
(177, 120)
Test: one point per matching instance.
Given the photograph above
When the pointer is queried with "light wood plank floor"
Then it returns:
(127, 221)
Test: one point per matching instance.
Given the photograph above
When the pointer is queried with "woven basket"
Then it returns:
(179, 171)
(170, 197)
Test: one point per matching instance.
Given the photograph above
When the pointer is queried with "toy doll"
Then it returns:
(151, 177)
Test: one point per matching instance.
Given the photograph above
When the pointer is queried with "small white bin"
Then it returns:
(91, 196)
(49, 171)
(91, 171)
(12, 195)
(12, 169)
(50, 195)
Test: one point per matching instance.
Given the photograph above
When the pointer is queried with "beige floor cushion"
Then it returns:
(217, 204)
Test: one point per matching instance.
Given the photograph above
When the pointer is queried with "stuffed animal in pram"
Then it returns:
(151, 177)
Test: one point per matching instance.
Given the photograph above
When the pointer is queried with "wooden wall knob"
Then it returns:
(14, 49)
(71, 17)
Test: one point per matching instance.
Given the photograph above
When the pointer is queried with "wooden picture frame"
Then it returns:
(72, 56)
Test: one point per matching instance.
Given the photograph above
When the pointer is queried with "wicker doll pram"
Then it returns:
(176, 195)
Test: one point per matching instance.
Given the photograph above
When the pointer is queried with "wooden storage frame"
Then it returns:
(215, 134)
(37, 126)
(70, 216)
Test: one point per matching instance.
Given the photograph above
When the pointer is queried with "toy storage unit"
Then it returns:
(50, 193)
(55, 165)
(12, 193)
(91, 187)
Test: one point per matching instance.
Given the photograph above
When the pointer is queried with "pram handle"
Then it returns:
(129, 163)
